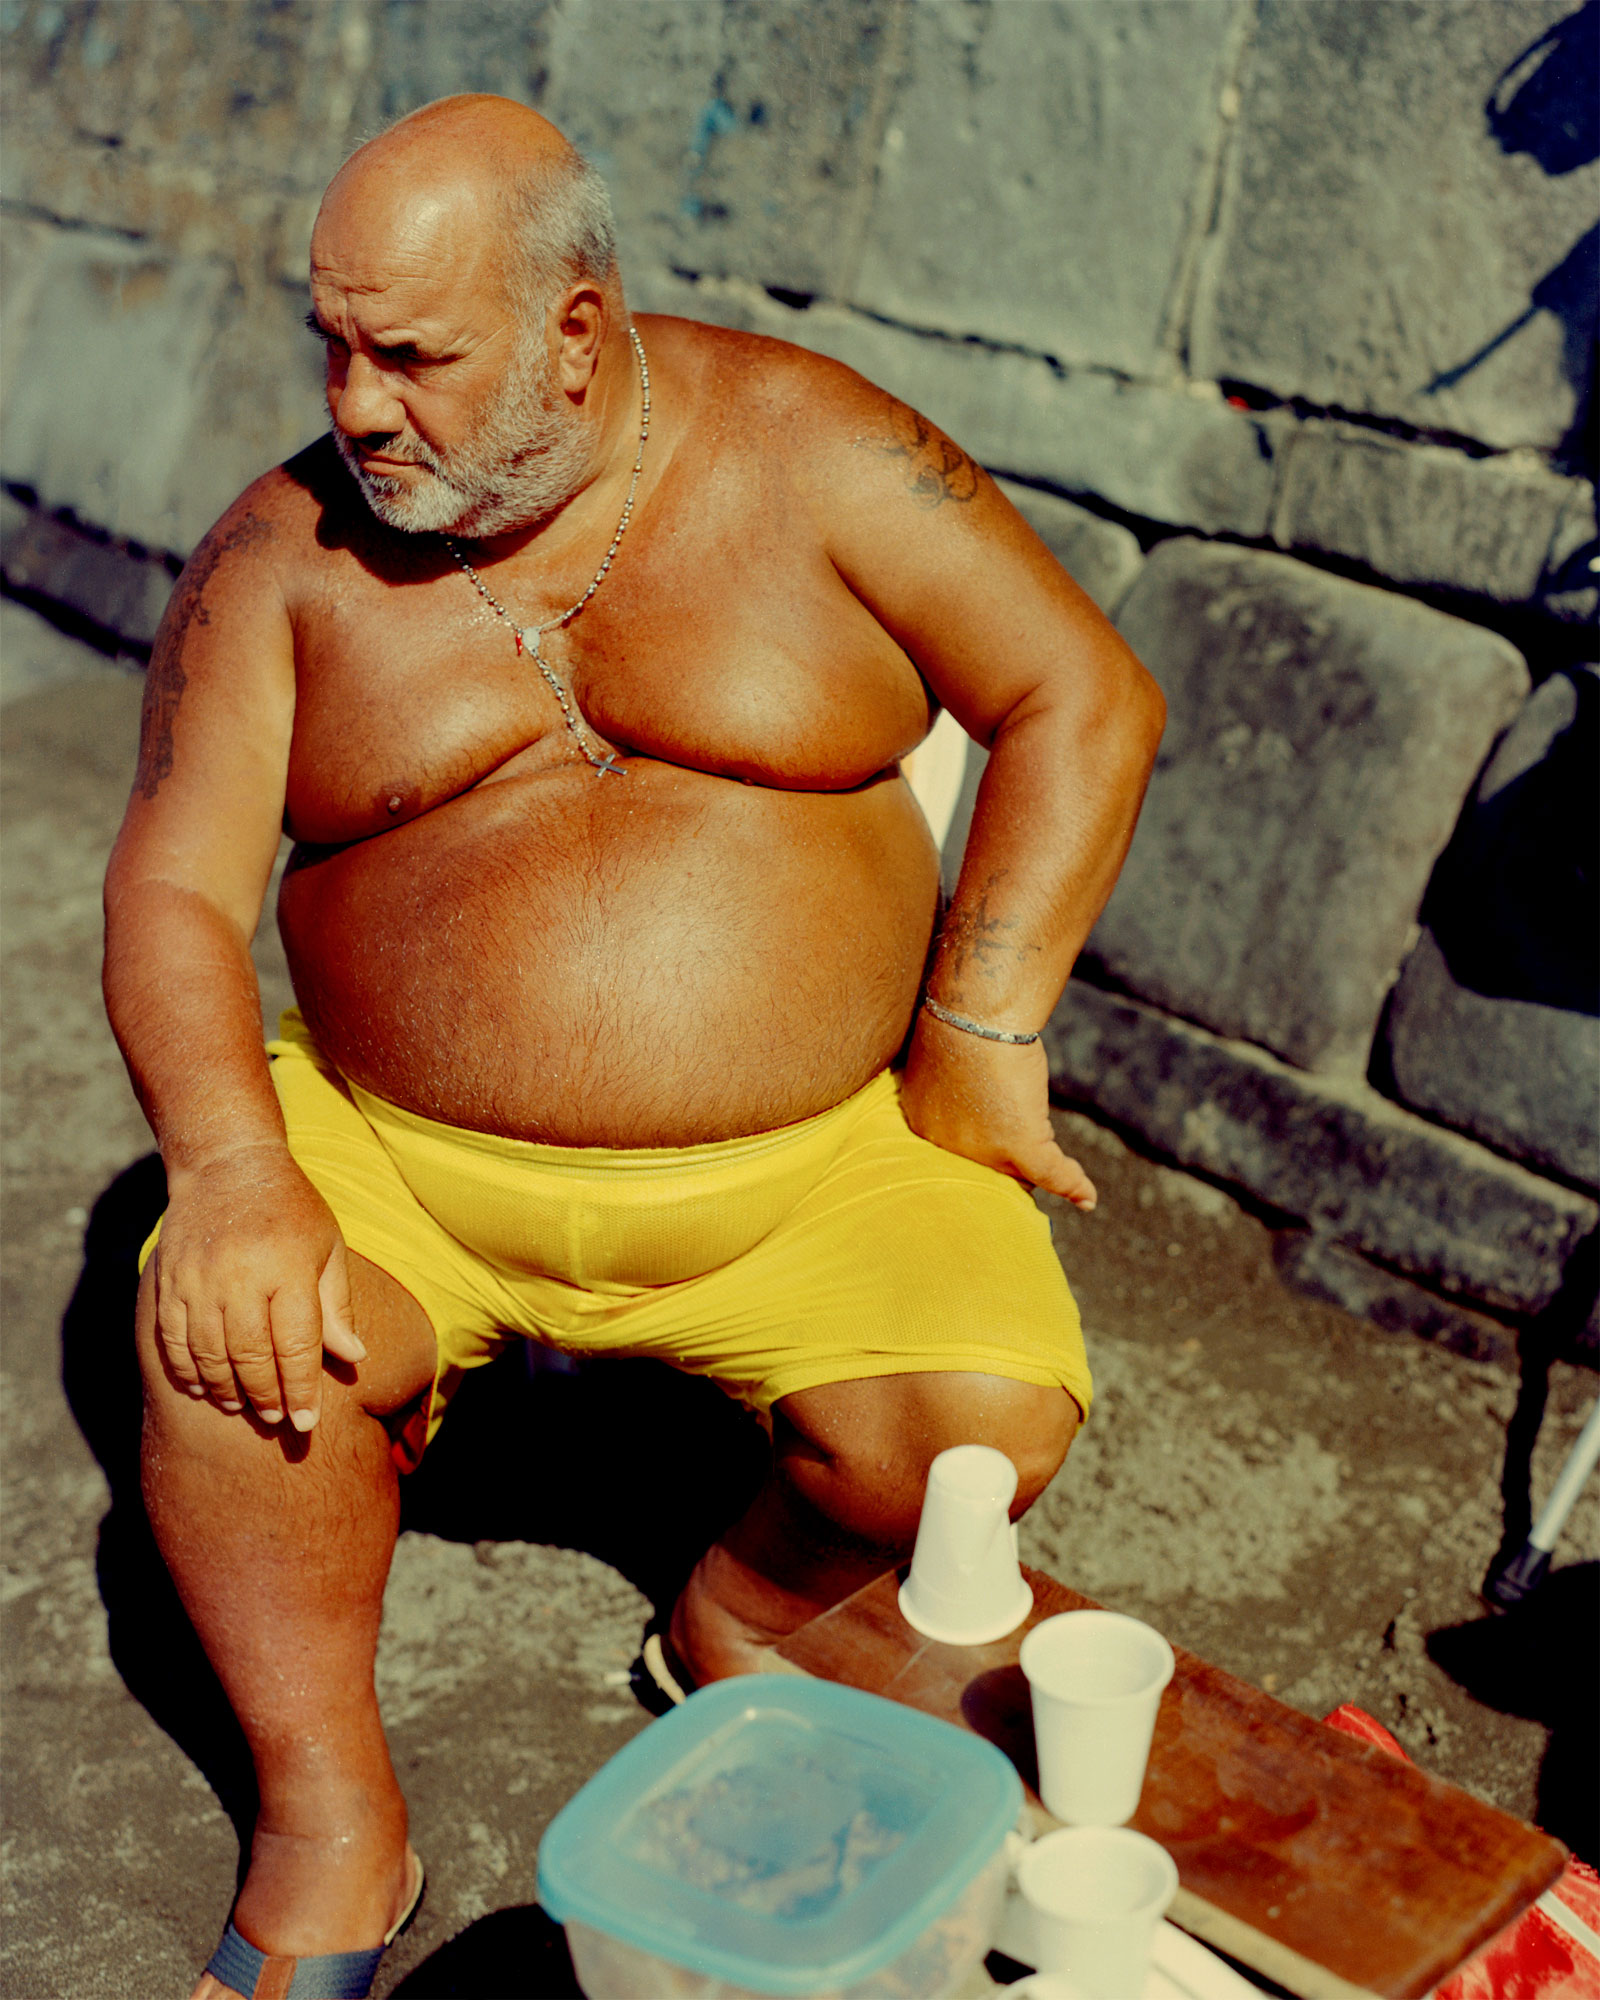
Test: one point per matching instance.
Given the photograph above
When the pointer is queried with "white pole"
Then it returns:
(1569, 1483)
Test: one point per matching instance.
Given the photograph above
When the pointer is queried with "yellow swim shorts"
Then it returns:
(828, 1251)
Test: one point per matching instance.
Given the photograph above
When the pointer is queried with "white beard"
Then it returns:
(527, 457)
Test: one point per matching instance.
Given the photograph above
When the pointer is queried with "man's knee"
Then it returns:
(860, 1451)
(398, 1369)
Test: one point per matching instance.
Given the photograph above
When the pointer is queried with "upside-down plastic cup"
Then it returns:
(1095, 1896)
(965, 1585)
(1096, 1679)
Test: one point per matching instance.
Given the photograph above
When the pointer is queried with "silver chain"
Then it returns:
(528, 636)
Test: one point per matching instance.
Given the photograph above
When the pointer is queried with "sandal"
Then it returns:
(239, 1971)
(661, 1681)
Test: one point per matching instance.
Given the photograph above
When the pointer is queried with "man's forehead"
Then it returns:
(420, 246)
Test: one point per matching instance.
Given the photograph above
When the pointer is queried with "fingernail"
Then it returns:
(361, 1352)
(303, 1419)
(232, 1409)
(270, 1416)
(195, 1389)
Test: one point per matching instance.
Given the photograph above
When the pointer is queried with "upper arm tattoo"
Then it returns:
(936, 468)
(165, 679)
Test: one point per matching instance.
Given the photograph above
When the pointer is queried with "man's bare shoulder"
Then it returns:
(283, 521)
(831, 423)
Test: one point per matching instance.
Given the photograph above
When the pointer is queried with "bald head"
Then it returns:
(486, 180)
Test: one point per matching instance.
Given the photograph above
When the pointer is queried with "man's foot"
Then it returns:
(241, 1971)
(724, 1623)
(307, 1896)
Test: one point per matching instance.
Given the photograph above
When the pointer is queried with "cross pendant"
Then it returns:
(610, 764)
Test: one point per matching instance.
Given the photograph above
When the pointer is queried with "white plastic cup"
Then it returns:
(1096, 1679)
(965, 1585)
(1095, 1896)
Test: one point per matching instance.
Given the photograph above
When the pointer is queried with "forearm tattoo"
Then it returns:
(165, 679)
(979, 940)
(936, 469)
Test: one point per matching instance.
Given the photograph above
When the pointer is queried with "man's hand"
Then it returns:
(252, 1285)
(989, 1101)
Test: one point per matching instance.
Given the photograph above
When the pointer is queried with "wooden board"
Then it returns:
(1317, 1859)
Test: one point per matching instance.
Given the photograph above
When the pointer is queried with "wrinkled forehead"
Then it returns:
(381, 235)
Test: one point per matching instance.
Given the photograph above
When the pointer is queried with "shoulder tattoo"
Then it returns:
(165, 679)
(936, 468)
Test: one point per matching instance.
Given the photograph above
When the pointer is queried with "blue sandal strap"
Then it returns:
(336, 1975)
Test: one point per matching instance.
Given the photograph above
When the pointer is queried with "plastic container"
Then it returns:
(780, 1835)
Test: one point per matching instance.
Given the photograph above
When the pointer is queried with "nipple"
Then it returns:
(394, 804)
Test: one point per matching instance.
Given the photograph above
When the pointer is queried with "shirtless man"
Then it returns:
(605, 930)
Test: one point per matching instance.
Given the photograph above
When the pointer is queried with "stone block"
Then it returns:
(102, 401)
(1494, 1025)
(1026, 192)
(121, 592)
(1406, 224)
(1322, 1269)
(740, 139)
(1422, 514)
(205, 129)
(1100, 556)
(1521, 1077)
(146, 391)
(1330, 1152)
(1321, 737)
(1571, 587)
(1177, 456)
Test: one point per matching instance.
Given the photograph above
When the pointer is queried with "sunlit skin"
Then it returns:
(727, 939)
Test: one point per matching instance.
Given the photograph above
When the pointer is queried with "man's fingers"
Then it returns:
(339, 1334)
(255, 1366)
(1057, 1174)
(172, 1330)
(297, 1338)
(208, 1344)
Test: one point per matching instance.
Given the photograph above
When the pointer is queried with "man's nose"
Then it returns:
(363, 403)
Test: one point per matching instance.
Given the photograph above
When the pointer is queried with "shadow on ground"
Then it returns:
(516, 1954)
(630, 1462)
(1542, 1660)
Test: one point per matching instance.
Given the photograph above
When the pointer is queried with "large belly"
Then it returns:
(658, 960)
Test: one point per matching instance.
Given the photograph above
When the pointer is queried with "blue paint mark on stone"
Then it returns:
(718, 117)
(98, 47)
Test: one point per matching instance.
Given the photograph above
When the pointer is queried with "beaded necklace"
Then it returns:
(528, 636)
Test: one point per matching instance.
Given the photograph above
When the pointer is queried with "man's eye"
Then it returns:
(401, 357)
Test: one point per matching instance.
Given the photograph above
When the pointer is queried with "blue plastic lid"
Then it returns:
(779, 1832)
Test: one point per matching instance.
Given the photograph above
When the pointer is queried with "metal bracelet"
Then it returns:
(973, 1027)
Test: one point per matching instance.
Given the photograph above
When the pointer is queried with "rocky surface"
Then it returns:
(1329, 1151)
(1320, 738)
(1495, 1023)
(1402, 228)
(1057, 219)
(1298, 1496)
(1420, 514)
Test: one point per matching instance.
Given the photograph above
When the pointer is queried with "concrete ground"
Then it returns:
(1301, 1498)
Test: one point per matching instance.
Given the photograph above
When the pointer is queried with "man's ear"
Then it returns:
(579, 320)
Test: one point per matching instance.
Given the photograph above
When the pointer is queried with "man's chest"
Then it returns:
(740, 653)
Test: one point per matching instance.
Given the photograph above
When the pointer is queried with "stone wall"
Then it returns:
(1279, 315)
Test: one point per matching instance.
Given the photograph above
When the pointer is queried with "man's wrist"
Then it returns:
(985, 1031)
